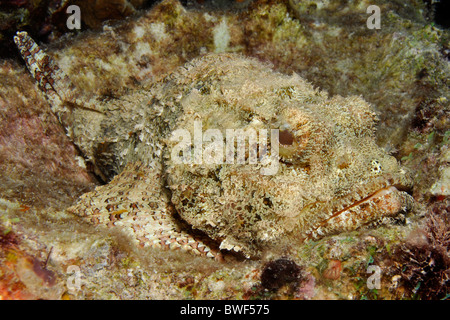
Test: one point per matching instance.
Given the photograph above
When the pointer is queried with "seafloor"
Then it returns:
(401, 69)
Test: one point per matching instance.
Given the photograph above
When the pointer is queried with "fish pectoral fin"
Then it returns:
(53, 81)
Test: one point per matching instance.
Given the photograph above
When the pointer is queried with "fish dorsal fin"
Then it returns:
(54, 82)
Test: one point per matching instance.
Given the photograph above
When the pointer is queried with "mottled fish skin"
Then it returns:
(331, 176)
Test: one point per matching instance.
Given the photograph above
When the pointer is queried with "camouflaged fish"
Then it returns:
(168, 160)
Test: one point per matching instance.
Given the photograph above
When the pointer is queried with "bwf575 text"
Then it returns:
(246, 309)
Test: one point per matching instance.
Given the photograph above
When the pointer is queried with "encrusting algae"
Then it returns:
(324, 173)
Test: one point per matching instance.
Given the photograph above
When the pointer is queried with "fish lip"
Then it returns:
(314, 232)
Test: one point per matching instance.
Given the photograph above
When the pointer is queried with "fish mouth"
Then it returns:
(387, 201)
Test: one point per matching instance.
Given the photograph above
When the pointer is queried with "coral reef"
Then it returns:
(280, 272)
(338, 53)
(327, 145)
(46, 176)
